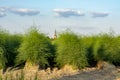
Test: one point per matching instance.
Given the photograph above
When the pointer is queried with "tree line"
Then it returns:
(36, 48)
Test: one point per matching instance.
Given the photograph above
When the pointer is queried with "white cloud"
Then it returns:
(2, 14)
(23, 11)
(67, 12)
(58, 12)
(99, 14)
(2, 11)
(19, 11)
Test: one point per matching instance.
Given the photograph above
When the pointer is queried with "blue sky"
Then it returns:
(81, 16)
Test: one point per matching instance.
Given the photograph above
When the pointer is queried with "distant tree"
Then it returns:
(35, 49)
(70, 50)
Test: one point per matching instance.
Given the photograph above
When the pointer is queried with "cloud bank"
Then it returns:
(2, 14)
(18, 11)
(2, 11)
(67, 12)
(99, 14)
(23, 12)
(58, 12)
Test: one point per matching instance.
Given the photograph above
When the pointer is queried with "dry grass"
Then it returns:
(31, 72)
(66, 73)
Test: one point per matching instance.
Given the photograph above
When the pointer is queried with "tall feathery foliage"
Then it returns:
(8, 48)
(107, 48)
(3, 59)
(70, 50)
(89, 42)
(12, 43)
(34, 49)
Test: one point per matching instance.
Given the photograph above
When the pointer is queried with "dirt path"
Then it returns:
(94, 75)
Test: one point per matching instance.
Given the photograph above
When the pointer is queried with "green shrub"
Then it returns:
(89, 42)
(35, 49)
(107, 48)
(3, 54)
(8, 48)
(70, 50)
(11, 45)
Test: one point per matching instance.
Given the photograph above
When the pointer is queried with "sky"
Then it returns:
(81, 16)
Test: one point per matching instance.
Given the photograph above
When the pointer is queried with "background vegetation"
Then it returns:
(36, 48)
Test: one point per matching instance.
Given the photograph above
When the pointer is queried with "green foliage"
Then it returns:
(11, 45)
(8, 46)
(107, 48)
(70, 50)
(3, 59)
(98, 49)
(78, 51)
(88, 42)
(35, 48)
